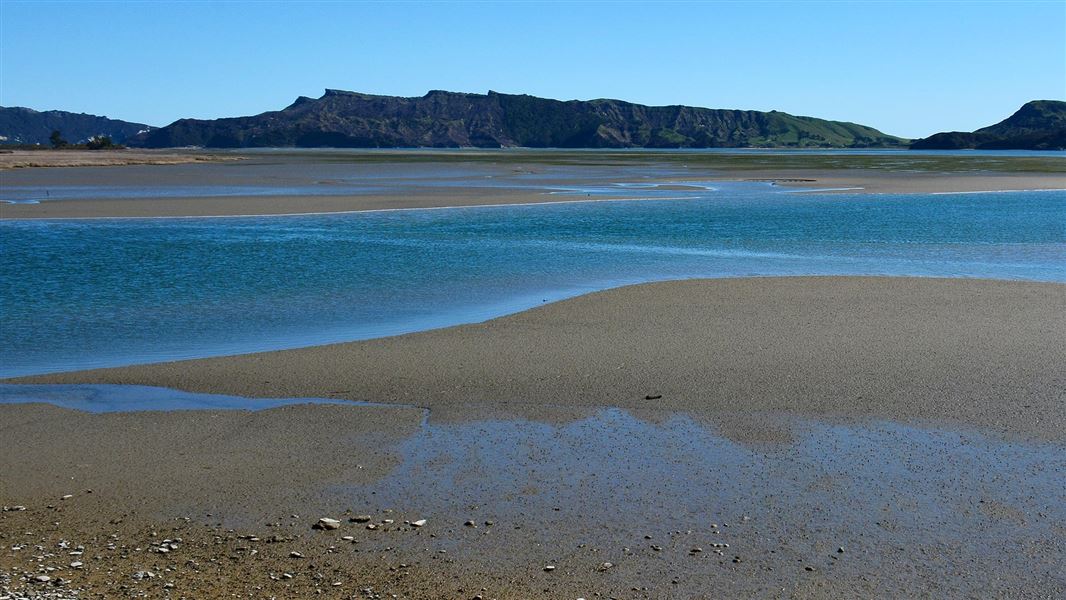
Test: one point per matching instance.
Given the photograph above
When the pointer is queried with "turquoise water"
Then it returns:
(81, 294)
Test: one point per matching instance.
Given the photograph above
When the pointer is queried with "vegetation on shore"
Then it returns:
(102, 142)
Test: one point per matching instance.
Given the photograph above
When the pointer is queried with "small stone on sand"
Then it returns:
(327, 523)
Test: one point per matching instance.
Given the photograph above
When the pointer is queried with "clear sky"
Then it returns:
(907, 68)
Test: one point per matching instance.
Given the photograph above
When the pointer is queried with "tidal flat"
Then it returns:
(289, 181)
(771, 437)
(742, 374)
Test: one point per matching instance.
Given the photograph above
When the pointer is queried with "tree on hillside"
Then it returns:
(100, 142)
(57, 139)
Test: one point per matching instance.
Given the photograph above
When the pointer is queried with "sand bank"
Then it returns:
(28, 159)
(355, 181)
(759, 454)
(229, 206)
(881, 182)
(903, 349)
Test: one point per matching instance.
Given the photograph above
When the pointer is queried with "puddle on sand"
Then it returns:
(910, 505)
(948, 512)
(104, 398)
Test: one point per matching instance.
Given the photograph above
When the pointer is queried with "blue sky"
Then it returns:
(907, 68)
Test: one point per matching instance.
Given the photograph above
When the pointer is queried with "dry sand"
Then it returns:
(27, 159)
(802, 377)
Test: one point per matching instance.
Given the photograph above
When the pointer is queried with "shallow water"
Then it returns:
(82, 294)
(106, 398)
(953, 513)
(669, 468)
(903, 500)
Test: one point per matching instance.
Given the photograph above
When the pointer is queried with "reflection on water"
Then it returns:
(956, 512)
(671, 468)
(609, 487)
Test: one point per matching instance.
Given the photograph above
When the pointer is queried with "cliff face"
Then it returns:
(1038, 125)
(27, 126)
(449, 119)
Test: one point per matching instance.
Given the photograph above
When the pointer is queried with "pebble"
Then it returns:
(549, 568)
(606, 566)
(76, 564)
(327, 523)
(656, 547)
(295, 554)
(360, 519)
(418, 523)
(42, 578)
(371, 526)
(470, 524)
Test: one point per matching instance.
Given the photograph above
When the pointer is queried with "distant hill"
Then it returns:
(1038, 125)
(493, 120)
(27, 126)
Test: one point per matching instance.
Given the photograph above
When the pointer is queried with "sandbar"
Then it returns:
(895, 348)
(803, 437)
(298, 182)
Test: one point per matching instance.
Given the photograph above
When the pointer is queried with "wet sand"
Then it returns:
(880, 182)
(273, 205)
(797, 437)
(342, 182)
(902, 349)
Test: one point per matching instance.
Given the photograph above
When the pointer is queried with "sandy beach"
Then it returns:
(692, 438)
(336, 181)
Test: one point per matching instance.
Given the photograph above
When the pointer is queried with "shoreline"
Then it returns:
(274, 206)
(744, 435)
(211, 215)
(398, 181)
(511, 312)
(345, 212)
(295, 372)
(119, 157)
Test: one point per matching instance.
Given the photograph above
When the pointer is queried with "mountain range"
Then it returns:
(493, 120)
(451, 119)
(1038, 125)
(20, 125)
